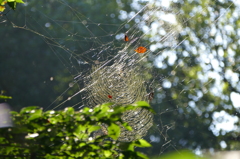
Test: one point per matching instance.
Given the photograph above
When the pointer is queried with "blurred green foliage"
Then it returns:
(199, 79)
(182, 154)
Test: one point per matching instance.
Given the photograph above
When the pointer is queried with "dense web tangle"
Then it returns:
(122, 86)
(104, 65)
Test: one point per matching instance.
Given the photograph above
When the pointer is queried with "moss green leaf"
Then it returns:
(184, 154)
(107, 153)
(36, 114)
(28, 109)
(93, 128)
(69, 111)
(5, 97)
(19, 1)
(140, 155)
(114, 131)
(12, 5)
(143, 143)
(141, 103)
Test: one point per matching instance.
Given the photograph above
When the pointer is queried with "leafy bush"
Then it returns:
(69, 133)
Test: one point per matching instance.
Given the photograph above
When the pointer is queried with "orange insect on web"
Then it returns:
(141, 49)
(126, 38)
(109, 96)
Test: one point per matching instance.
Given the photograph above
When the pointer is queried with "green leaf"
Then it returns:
(106, 104)
(82, 144)
(1, 1)
(80, 129)
(64, 147)
(94, 147)
(130, 147)
(141, 103)
(86, 110)
(28, 109)
(5, 97)
(12, 5)
(2, 8)
(80, 132)
(53, 120)
(105, 107)
(127, 146)
(107, 153)
(114, 131)
(36, 114)
(69, 111)
(9, 150)
(93, 128)
(184, 154)
(143, 143)
(19, 1)
(139, 154)
(127, 126)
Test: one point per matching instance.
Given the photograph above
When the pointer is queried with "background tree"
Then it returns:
(201, 80)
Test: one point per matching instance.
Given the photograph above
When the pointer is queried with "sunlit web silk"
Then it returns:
(124, 82)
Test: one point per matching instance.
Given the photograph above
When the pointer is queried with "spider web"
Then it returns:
(105, 68)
